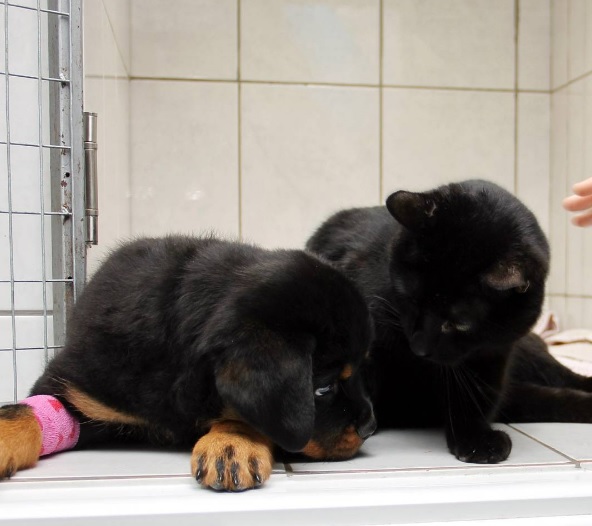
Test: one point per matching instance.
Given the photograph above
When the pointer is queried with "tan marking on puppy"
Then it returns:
(20, 439)
(314, 450)
(98, 411)
(232, 457)
(346, 372)
(344, 447)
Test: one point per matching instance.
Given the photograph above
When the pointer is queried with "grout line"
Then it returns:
(570, 82)
(571, 459)
(451, 469)
(381, 104)
(98, 477)
(334, 84)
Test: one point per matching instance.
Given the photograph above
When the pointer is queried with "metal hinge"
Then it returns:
(90, 170)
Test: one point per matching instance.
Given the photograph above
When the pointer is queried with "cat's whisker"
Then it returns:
(448, 405)
(386, 304)
(468, 383)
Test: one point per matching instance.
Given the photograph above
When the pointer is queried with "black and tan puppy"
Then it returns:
(223, 346)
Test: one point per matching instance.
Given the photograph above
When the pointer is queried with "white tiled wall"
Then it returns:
(107, 62)
(258, 118)
(571, 157)
(336, 104)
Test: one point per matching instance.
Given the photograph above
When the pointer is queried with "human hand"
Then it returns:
(581, 201)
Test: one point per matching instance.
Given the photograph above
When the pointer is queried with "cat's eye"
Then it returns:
(448, 327)
(322, 391)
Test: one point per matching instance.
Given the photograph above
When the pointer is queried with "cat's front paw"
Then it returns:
(231, 457)
(488, 447)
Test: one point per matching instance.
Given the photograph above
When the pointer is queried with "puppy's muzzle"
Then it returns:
(366, 426)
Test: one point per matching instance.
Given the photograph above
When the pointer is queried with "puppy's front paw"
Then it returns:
(488, 447)
(232, 457)
(20, 439)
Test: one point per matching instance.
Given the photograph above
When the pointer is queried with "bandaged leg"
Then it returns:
(59, 429)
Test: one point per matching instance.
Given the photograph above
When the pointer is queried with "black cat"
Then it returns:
(454, 277)
(541, 389)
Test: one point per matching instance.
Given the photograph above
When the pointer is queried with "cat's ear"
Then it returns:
(413, 210)
(506, 276)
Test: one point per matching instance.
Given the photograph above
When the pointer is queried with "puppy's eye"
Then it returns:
(322, 391)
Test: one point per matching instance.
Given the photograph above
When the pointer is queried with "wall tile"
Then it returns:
(576, 44)
(3, 178)
(3, 118)
(7, 376)
(586, 285)
(5, 323)
(558, 190)
(557, 304)
(94, 16)
(534, 129)
(576, 269)
(307, 152)
(310, 40)
(118, 14)
(577, 313)
(29, 365)
(4, 253)
(534, 45)
(588, 53)
(22, 42)
(30, 331)
(432, 137)
(184, 157)
(2, 48)
(186, 39)
(460, 43)
(24, 110)
(559, 42)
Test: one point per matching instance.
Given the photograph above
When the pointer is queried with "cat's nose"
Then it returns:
(420, 345)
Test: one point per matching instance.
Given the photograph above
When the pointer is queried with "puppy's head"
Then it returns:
(290, 366)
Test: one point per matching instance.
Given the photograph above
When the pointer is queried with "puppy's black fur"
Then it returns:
(176, 338)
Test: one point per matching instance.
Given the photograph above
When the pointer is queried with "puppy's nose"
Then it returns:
(366, 428)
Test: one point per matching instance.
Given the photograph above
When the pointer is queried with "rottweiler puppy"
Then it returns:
(223, 346)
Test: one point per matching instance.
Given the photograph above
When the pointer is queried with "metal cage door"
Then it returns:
(42, 230)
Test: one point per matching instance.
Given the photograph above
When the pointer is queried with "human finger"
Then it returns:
(583, 187)
(583, 219)
(577, 203)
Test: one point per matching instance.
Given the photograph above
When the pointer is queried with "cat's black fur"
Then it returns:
(454, 276)
(541, 389)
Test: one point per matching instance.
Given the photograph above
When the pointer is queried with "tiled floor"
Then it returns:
(534, 446)
(403, 477)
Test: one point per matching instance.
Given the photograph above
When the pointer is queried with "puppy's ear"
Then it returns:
(267, 379)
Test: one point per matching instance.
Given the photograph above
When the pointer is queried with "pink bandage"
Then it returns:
(59, 429)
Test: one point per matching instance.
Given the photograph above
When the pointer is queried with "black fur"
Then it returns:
(541, 389)
(175, 331)
(454, 277)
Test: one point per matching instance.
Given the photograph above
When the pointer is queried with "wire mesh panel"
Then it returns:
(41, 191)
